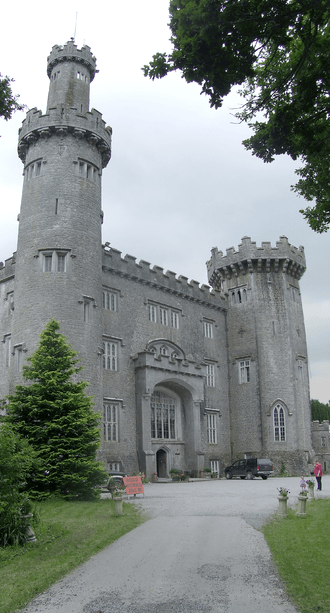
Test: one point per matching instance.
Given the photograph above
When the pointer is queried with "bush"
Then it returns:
(17, 460)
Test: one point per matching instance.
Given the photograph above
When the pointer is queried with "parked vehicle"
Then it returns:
(250, 468)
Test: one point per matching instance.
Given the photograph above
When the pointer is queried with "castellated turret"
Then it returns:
(269, 385)
(58, 265)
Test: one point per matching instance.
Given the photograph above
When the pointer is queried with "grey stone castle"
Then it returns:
(186, 376)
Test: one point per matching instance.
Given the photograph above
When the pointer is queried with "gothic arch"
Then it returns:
(279, 415)
(162, 346)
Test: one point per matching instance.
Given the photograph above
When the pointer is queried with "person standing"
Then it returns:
(318, 474)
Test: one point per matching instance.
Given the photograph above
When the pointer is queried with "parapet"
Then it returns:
(249, 259)
(157, 278)
(90, 126)
(7, 268)
(322, 426)
(70, 52)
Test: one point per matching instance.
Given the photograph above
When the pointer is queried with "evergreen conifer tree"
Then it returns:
(56, 417)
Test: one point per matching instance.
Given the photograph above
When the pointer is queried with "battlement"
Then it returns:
(321, 426)
(249, 258)
(7, 268)
(70, 53)
(156, 277)
(90, 126)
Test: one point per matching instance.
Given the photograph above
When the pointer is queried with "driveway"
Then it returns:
(201, 551)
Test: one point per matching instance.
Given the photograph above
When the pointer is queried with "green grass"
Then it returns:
(67, 535)
(300, 548)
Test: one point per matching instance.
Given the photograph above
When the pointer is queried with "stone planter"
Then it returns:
(311, 492)
(118, 505)
(283, 506)
(301, 506)
(30, 536)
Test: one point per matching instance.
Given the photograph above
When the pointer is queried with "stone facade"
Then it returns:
(187, 376)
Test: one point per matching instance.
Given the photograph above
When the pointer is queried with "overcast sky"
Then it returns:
(179, 181)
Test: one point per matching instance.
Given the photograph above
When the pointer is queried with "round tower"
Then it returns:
(269, 384)
(58, 267)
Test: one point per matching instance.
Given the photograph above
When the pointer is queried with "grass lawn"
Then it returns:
(301, 551)
(67, 535)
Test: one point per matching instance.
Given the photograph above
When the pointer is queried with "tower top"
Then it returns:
(249, 258)
(70, 53)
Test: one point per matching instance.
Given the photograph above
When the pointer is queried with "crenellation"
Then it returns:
(90, 126)
(168, 281)
(70, 52)
(249, 257)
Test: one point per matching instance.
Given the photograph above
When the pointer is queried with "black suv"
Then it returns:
(250, 468)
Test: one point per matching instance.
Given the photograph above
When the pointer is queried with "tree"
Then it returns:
(320, 411)
(8, 101)
(278, 51)
(56, 417)
(17, 459)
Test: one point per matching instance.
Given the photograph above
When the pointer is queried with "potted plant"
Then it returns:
(311, 486)
(302, 498)
(283, 501)
(175, 474)
(207, 472)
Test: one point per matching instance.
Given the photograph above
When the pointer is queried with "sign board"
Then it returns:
(133, 485)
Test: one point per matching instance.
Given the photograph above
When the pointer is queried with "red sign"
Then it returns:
(133, 485)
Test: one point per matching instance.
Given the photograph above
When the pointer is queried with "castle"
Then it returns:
(186, 376)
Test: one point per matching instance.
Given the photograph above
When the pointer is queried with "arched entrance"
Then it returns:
(161, 460)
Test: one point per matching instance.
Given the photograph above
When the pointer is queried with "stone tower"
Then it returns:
(267, 359)
(58, 264)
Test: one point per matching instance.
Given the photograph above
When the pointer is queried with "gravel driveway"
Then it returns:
(201, 551)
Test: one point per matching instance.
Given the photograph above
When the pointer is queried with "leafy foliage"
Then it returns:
(8, 101)
(320, 411)
(278, 51)
(56, 417)
(16, 461)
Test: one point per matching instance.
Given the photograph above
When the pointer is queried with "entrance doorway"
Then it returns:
(161, 460)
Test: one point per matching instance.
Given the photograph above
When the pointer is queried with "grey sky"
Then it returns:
(179, 182)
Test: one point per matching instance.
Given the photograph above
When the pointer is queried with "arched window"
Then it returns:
(279, 423)
(163, 350)
(162, 415)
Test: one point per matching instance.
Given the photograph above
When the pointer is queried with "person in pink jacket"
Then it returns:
(318, 474)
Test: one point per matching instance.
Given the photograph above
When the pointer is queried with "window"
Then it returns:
(114, 466)
(7, 342)
(244, 371)
(109, 300)
(33, 170)
(110, 422)
(18, 355)
(163, 315)
(163, 350)
(238, 295)
(48, 262)
(152, 312)
(110, 356)
(295, 297)
(54, 261)
(212, 428)
(162, 415)
(60, 262)
(279, 423)
(210, 375)
(174, 319)
(88, 171)
(208, 329)
(215, 466)
(300, 365)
